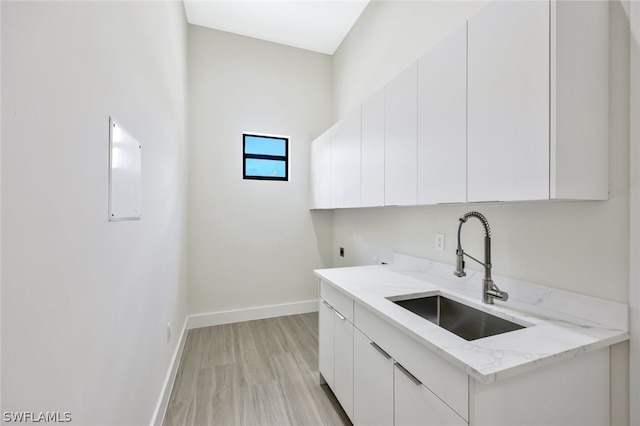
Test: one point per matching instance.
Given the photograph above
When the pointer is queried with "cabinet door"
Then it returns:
(372, 383)
(321, 171)
(345, 162)
(336, 191)
(343, 363)
(373, 151)
(508, 102)
(325, 343)
(400, 138)
(442, 121)
(417, 405)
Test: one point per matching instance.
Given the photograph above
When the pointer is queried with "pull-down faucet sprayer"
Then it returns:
(489, 290)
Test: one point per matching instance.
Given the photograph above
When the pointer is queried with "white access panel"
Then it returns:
(124, 174)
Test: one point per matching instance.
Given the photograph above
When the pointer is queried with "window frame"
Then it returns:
(246, 156)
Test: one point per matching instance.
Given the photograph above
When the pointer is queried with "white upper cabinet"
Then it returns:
(508, 98)
(538, 101)
(345, 162)
(442, 121)
(401, 116)
(579, 100)
(512, 106)
(372, 189)
(321, 171)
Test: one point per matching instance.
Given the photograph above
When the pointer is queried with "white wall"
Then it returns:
(253, 243)
(85, 302)
(0, 205)
(634, 263)
(580, 246)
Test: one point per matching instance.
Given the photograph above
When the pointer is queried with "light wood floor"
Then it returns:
(262, 372)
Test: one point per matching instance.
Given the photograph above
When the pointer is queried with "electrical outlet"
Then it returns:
(440, 242)
(341, 251)
(168, 331)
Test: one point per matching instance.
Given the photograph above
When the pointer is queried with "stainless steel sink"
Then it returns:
(460, 319)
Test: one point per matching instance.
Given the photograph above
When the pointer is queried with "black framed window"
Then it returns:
(265, 157)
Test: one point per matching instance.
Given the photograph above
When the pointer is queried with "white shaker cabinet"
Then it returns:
(321, 171)
(372, 383)
(400, 117)
(372, 189)
(538, 101)
(345, 162)
(442, 121)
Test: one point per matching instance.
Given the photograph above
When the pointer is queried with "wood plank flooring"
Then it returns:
(261, 373)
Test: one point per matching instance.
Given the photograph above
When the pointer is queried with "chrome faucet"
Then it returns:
(490, 291)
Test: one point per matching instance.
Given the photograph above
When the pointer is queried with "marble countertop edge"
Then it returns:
(551, 336)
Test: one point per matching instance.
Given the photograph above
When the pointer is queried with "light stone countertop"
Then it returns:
(559, 324)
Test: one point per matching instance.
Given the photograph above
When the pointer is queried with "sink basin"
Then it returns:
(460, 319)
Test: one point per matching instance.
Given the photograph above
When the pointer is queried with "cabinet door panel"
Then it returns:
(400, 117)
(321, 171)
(372, 383)
(450, 383)
(373, 151)
(508, 102)
(325, 343)
(343, 363)
(345, 162)
(417, 405)
(442, 121)
(336, 192)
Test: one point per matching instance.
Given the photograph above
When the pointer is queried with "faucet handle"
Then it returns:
(459, 272)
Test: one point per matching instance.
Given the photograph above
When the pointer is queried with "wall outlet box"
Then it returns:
(440, 242)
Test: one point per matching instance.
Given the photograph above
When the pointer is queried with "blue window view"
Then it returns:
(270, 168)
(265, 145)
(265, 157)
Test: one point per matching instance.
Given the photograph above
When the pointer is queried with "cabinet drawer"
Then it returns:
(446, 381)
(415, 404)
(340, 302)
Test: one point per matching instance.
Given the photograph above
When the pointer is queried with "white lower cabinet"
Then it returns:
(382, 376)
(385, 393)
(343, 362)
(326, 343)
(372, 383)
(335, 339)
(415, 404)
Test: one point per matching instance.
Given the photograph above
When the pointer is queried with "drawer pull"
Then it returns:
(328, 305)
(342, 317)
(379, 349)
(409, 375)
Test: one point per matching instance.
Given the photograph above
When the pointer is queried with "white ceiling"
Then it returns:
(318, 25)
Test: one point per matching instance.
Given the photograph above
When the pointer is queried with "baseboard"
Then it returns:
(228, 317)
(167, 387)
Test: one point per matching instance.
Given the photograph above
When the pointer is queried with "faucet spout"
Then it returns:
(490, 290)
